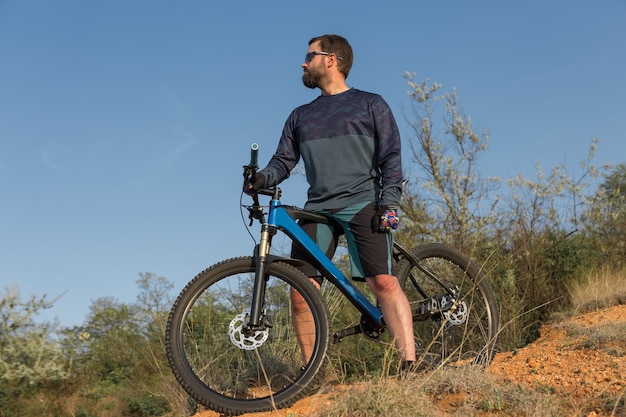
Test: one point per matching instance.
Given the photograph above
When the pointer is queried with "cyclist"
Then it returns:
(350, 144)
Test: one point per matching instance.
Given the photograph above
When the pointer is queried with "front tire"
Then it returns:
(263, 372)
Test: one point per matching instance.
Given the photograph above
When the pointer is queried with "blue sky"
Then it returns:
(124, 124)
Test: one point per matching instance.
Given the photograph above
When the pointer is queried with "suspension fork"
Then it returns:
(261, 254)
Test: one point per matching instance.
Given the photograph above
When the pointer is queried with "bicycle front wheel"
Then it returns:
(233, 371)
(455, 313)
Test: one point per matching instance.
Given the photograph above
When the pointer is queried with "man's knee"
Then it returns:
(383, 284)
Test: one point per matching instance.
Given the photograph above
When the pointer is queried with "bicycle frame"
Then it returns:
(280, 218)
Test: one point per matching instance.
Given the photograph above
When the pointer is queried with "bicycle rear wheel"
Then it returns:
(233, 372)
(455, 314)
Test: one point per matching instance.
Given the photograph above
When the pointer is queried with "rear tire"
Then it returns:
(466, 334)
(265, 372)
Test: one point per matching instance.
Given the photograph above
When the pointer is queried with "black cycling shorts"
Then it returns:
(370, 251)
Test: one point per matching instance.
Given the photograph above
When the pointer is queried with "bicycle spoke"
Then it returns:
(456, 313)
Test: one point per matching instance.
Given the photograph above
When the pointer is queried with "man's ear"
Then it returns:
(332, 60)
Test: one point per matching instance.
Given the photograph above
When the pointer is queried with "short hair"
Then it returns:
(339, 46)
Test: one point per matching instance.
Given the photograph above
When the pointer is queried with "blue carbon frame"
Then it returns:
(279, 217)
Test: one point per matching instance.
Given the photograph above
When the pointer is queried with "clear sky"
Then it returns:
(124, 124)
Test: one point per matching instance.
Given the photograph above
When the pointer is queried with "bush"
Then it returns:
(148, 405)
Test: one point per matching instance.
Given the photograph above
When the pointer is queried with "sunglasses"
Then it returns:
(310, 55)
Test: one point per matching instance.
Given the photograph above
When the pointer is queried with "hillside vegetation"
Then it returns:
(575, 368)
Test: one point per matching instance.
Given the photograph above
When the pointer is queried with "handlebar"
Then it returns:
(254, 156)
(249, 171)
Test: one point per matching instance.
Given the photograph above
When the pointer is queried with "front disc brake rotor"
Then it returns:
(240, 339)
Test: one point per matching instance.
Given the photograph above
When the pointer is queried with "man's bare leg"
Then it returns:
(303, 323)
(393, 305)
(397, 313)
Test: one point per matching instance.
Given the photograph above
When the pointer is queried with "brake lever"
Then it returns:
(256, 212)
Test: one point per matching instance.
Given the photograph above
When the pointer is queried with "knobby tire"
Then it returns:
(467, 333)
(226, 378)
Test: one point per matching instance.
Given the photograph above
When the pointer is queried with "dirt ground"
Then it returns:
(582, 369)
(559, 362)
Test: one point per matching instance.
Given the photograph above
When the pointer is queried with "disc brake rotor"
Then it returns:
(240, 339)
(457, 314)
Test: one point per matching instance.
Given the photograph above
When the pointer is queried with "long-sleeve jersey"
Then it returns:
(350, 145)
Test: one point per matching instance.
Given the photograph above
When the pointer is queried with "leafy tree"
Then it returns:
(120, 362)
(451, 190)
(154, 300)
(28, 351)
(114, 342)
(614, 185)
(30, 354)
(523, 232)
(605, 219)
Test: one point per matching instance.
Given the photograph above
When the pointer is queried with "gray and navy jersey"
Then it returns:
(350, 145)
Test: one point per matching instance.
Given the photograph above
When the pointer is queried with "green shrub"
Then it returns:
(148, 405)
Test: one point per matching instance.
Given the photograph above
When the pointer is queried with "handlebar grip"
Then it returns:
(254, 155)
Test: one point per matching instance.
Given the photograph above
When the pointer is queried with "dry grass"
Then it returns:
(598, 289)
(608, 337)
(466, 392)
(473, 392)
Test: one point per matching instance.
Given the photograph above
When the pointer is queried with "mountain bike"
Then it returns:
(230, 340)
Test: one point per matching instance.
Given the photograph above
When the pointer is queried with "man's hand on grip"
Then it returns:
(253, 183)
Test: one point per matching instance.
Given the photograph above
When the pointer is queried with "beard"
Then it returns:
(310, 80)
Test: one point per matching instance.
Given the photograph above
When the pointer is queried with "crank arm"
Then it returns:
(350, 331)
